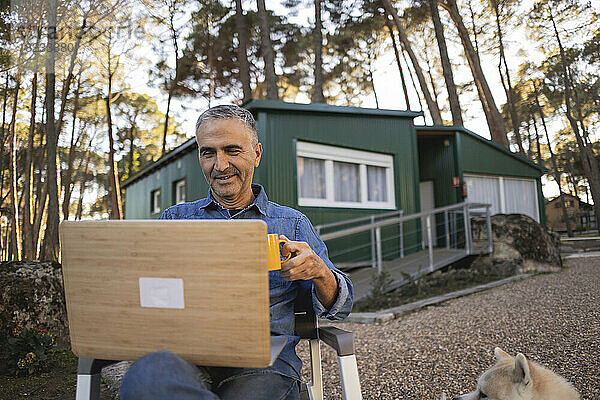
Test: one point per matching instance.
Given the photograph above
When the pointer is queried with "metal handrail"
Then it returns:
(397, 220)
(425, 216)
(319, 228)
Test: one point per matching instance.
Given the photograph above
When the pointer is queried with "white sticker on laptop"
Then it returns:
(161, 292)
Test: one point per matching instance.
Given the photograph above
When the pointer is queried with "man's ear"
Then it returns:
(258, 151)
(521, 372)
(500, 354)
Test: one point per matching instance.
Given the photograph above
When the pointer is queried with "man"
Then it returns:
(228, 151)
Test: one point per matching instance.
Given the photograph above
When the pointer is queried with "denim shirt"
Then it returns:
(295, 226)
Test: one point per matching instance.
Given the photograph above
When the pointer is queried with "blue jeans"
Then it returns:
(163, 375)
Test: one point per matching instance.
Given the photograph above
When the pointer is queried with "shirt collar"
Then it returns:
(260, 199)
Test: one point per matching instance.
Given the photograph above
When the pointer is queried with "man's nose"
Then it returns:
(222, 162)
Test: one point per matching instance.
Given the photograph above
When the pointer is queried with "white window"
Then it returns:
(155, 201)
(506, 195)
(484, 189)
(521, 197)
(180, 191)
(337, 177)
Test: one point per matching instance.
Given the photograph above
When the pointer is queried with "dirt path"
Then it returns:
(553, 319)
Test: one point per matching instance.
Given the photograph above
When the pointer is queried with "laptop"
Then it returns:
(198, 288)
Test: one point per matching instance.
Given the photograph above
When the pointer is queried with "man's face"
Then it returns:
(228, 158)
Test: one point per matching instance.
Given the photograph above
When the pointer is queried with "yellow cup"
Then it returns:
(273, 253)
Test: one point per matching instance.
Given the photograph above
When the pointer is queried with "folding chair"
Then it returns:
(88, 370)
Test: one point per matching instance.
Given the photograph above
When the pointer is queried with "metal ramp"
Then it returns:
(439, 237)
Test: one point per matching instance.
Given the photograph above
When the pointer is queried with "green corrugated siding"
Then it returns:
(481, 158)
(138, 201)
(437, 163)
(541, 201)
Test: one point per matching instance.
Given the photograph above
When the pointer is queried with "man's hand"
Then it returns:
(306, 264)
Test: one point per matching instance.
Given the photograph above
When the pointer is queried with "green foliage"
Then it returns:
(211, 53)
(379, 288)
(457, 277)
(28, 350)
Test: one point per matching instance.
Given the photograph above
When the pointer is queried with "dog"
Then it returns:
(516, 378)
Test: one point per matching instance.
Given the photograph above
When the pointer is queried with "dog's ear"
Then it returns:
(521, 372)
(501, 354)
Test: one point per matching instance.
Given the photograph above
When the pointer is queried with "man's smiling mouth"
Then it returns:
(224, 178)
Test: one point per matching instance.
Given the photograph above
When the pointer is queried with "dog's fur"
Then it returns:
(519, 379)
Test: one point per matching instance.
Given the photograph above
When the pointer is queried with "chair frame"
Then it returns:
(307, 327)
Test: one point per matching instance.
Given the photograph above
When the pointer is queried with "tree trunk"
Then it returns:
(69, 78)
(242, 50)
(492, 115)
(51, 243)
(117, 208)
(172, 85)
(412, 80)
(68, 174)
(436, 116)
(537, 142)
(510, 96)
(41, 197)
(317, 95)
(166, 126)
(82, 183)
(43, 217)
(446, 66)
(267, 51)
(131, 150)
(4, 104)
(554, 164)
(474, 28)
(28, 244)
(433, 85)
(529, 141)
(373, 82)
(12, 173)
(388, 23)
(590, 164)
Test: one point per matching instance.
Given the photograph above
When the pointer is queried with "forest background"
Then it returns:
(94, 91)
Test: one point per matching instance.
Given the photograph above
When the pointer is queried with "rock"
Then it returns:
(32, 294)
(521, 241)
(113, 375)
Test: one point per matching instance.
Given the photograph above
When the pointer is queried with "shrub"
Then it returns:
(28, 350)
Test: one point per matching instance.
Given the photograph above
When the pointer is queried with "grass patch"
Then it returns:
(444, 281)
(58, 381)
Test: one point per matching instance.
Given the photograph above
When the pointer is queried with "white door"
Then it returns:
(427, 203)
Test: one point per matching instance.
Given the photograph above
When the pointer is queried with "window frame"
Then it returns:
(501, 179)
(180, 182)
(331, 154)
(155, 208)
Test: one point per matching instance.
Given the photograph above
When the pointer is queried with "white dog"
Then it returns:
(519, 379)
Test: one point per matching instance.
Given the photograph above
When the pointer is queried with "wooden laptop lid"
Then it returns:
(195, 287)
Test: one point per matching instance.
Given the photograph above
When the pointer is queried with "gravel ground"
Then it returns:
(553, 319)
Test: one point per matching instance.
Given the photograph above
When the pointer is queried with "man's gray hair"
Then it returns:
(228, 111)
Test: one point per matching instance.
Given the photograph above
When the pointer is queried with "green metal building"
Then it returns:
(338, 163)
